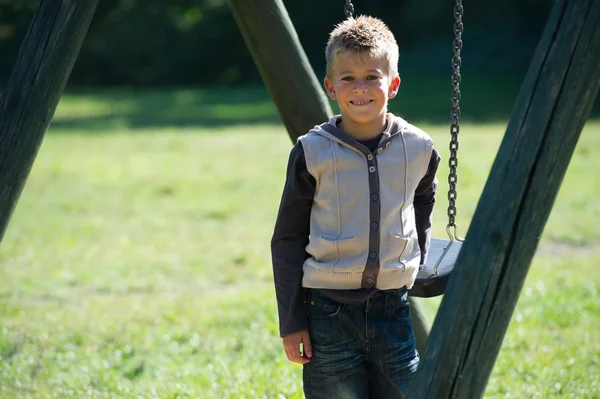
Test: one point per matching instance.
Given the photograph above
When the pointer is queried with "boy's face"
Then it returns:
(362, 87)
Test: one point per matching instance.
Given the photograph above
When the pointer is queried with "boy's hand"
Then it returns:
(291, 344)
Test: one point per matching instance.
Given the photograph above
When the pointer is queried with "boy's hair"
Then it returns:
(362, 36)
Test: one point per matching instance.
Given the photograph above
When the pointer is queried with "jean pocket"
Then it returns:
(323, 308)
(402, 312)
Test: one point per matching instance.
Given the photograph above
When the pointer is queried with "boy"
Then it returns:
(353, 227)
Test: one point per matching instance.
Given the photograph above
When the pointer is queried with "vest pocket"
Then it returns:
(396, 250)
(338, 254)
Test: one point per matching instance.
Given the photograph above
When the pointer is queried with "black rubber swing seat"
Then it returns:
(429, 283)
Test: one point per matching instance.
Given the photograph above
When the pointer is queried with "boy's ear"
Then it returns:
(329, 88)
(394, 86)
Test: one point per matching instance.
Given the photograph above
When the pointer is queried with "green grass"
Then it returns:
(137, 262)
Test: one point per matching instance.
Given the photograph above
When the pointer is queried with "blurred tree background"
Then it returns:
(196, 42)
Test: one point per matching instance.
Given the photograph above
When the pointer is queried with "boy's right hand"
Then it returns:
(291, 344)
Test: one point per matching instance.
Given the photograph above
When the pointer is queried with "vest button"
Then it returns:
(372, 169)
(370, 157)
(374, 197)
(374, 226)
(370, 280)
(380, 150)
(372, 255)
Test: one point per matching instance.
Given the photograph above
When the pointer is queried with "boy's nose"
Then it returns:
(360, 87)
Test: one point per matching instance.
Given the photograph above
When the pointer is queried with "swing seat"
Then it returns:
(429, 283)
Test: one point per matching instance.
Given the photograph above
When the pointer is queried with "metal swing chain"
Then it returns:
(349, 9)
(455, 114)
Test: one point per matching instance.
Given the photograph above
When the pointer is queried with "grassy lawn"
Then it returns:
(137, 263)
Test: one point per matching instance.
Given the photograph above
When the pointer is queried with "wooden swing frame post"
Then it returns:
(28, 102)
(283, 65)
(551, 110)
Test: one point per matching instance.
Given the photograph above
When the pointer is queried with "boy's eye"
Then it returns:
(372, 77)
(348, 78)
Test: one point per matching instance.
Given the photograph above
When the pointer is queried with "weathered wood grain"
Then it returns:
(29, 99)
(553, 105)
(282, 63)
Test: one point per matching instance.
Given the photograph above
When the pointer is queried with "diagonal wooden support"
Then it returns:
(31, 95)
(282, 63)
(553, 105)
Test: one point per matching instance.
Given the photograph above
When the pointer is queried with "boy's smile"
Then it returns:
(361, 86)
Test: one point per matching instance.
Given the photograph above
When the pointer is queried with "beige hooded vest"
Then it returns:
(362, 225)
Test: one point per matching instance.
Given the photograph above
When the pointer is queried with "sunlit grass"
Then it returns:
(137, 265)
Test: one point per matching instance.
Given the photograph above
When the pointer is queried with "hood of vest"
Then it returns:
(329, 129)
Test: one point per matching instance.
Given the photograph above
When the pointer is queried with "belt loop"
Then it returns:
(404, 293)
(388, 300)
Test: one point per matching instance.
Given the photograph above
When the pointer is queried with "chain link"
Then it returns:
(455, 114)
(349, 9)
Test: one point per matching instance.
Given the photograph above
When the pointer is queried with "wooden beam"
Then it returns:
(553, 105)
(27, 104)
(420, 322)
(284, 67)
(282, 63)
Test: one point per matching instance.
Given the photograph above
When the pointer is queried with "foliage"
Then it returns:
(137, 261)
(197, 41)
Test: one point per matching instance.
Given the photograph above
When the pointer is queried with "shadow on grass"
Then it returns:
(420, 100)
(101, 111)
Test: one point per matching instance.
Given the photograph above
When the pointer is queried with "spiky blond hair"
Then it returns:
(362, 36)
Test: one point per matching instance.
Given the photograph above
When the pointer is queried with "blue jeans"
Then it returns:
(360, 351)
